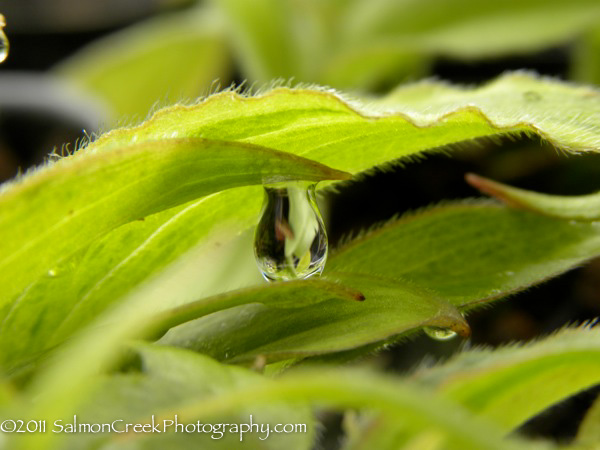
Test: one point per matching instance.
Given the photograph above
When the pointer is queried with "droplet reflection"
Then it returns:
(290, 240)
(439, 333)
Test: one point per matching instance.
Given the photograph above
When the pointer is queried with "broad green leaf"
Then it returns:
(405, 403)
(471, 252)
(170, 379)
(97, 277)
(65, 206)
(355, 136)
(293, 294)
(512, 384)
(67, 377)
(25, 341)
(390, 308)
(584, 207)
(161, 61)
(467, 28)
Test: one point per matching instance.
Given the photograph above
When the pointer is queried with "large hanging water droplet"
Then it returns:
(439, 333)
(290, 240)
(3, 40)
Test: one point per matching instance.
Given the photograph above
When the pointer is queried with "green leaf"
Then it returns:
(390, 308)
(99, 276)
(293, 294)
(79, 198)
(170, 379)
(360, 44)
(404, 402)
(162, 60)
(588, 434)
(67, 375)
(467, 28)
(355, 136)
(261, 33)
(586, 63)
(512, 384)
(454, 250)
(312, 123)
(584, 207)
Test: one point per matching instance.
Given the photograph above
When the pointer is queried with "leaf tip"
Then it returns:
(491, 188)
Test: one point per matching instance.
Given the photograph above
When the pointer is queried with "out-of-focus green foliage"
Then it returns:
(586, 59)
(160, 62)
(360, 44)
(510, 385)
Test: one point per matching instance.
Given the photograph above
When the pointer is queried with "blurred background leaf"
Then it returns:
(157, 63)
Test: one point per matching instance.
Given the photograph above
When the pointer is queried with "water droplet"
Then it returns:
(439, 333)
(290, 240)
(509, 273)
(52, 273)
(3, 40)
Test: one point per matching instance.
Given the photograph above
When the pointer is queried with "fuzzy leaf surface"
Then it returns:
(453, 250)
(582, 207)
(390, 308)
(512, 384)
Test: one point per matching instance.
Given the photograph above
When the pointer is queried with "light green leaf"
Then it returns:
(362, 44)
(170, 379)
(260, 31)
(404, 402)
(97, 277)
(512, 384)
(584, 207)
(454, 250)
(355, 136)
(161, 61)
(467, 28)
(64, 207)
(588, 434)
(293, 294)
(390, 308)
(586, 63)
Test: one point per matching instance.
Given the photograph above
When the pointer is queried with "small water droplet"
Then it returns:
(52, 273)
(439, 333)
(4, 46)
(509, 273)
(290, 240)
